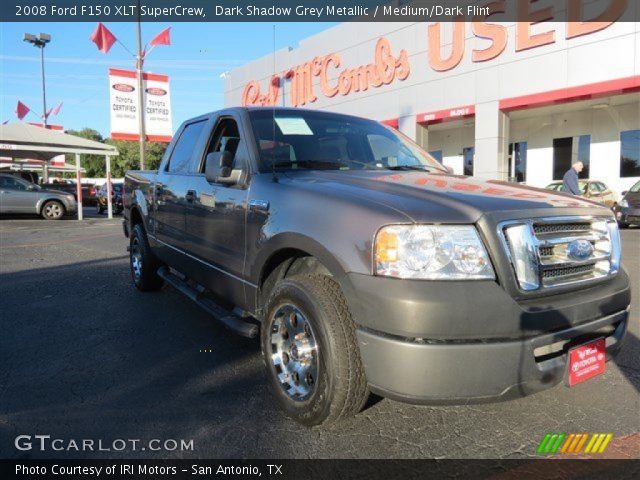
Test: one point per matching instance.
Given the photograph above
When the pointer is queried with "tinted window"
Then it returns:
(12, 183)
(561, 156)
(630, 153)
(467, 155)
(635, 188)
(519, 150)
(584, 154)
(180, 161)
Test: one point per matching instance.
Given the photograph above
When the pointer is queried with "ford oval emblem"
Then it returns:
(580, 249)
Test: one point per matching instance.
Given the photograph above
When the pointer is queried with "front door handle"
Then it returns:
(190, 196)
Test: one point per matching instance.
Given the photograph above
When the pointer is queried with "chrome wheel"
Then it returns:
(136, 259)
(53, 210)
(294, 352)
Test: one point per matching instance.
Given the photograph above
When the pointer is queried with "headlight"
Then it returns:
(431, 252)
(623, 203)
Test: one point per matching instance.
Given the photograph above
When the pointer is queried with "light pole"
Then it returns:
(139, 74)
(40, 41)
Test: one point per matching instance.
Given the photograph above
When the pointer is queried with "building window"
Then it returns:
(518, 162)
(584, 154)
(630, 153)
(561, 156)
(437, 154)
(467, 155)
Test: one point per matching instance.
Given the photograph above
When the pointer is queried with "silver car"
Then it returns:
(19, 196)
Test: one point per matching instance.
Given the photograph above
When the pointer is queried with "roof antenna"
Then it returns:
(273, 120)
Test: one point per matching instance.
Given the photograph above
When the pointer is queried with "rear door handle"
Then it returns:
(190, 196)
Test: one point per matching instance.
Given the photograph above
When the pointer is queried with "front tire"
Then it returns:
(143, 263)
(52, 210)
(311, 353)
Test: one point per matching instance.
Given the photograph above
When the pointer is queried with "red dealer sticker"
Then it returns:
(586, 361)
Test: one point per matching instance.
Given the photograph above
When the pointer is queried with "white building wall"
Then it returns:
(603, 124)
(610, 54)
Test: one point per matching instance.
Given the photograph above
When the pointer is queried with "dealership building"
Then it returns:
(496, 100)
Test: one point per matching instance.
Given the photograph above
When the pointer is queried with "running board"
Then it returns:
(228, 319)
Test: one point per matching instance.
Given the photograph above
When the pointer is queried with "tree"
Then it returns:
(128, 158)
(93, 164)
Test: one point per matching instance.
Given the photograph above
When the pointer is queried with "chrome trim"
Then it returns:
(541, 240)
(203, 262)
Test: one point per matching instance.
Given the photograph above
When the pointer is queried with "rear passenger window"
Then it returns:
(183, 152)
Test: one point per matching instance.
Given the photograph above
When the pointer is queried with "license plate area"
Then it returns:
(586, 361)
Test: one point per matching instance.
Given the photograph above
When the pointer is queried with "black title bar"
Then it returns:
(317, 10)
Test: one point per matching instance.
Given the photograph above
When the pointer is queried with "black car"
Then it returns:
(627, 210)
(116, 198)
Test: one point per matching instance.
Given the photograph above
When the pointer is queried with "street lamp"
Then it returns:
(40, 41)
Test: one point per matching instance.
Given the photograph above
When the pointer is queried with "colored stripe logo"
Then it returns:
(572, 443)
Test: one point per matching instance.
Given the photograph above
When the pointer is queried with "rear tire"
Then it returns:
(52, 210)
(143, 263)
(308, 332)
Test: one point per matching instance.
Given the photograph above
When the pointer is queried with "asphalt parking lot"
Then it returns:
(83, 355)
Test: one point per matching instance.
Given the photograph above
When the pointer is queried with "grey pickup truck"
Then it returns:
(365, 266)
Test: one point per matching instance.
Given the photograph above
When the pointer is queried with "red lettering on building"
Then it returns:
(384, 70)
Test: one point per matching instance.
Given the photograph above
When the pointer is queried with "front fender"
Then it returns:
(298, 241)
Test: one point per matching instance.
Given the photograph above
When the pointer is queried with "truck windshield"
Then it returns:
(327, 141)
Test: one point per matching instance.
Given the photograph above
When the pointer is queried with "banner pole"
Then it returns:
(139, 65)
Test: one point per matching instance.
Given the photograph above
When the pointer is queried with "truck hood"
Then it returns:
(424, 196)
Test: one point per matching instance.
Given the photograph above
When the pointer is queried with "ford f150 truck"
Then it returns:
(365, 266)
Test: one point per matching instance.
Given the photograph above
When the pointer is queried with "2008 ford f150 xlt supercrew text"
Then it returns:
(365, 266)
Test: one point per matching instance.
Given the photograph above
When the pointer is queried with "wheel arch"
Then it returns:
(292, 255)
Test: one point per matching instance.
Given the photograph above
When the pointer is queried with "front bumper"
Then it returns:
(460, 342)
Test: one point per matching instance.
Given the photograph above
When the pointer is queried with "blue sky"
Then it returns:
(76, 72)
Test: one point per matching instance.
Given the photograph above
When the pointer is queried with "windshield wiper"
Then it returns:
(420, 168)
(309, 164)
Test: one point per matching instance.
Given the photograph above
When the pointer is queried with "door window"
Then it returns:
(182, 157)
(12, 183)
(226, 138)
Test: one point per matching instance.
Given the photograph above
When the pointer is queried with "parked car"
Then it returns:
(19, 196)
(627, 211)
(69, 186)
(116, 198)
(592, 189)
(365, 266)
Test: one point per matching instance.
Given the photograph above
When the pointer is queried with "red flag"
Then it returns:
(103, 38)
(22, 110)
(163, 38)
(56, 110)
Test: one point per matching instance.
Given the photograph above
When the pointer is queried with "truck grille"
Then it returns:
(552, 252)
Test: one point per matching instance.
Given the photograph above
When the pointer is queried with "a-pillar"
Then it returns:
(491, 142)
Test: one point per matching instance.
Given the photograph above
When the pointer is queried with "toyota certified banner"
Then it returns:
(123, 105)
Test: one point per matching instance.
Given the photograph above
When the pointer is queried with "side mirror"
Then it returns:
(218, 165)
(32, 188)
(624, 193)
(449, 169)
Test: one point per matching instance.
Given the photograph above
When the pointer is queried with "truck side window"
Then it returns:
(182, 155)
(226, 137)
